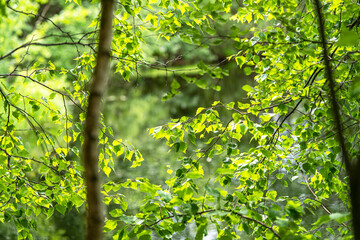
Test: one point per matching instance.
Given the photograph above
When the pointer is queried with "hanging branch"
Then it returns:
(351, 169)
(95, 218)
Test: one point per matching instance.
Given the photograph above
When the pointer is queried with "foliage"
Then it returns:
(287, 116)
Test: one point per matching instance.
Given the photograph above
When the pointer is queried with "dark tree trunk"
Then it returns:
(352, 167)
(355, 198)
(95, 218)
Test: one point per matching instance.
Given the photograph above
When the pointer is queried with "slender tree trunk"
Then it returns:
(95, 218)
(355, 198)
(352, 167)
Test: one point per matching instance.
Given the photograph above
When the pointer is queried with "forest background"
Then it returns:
(255, 146)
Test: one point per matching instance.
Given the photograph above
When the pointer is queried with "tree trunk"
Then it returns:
(95, 218)
(352, 167)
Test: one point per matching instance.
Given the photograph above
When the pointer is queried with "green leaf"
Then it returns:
(240, 61)
(190, 208)
(35, 107)
(145, 237)
(61, 209)
(165, 196)
(180, 146)
(322, 220)
(225, 171)
(201, 65)
(279, 176)
(116, 213)
(110, 225)
(247, 88)
(271, 195)
(126, 219)
(50, 212)
(200, 232)
(306, 167)
(175, 84)
(331, 231)
(201, 83)
(247, 71)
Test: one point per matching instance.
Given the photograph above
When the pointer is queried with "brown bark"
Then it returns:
(95, 218)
